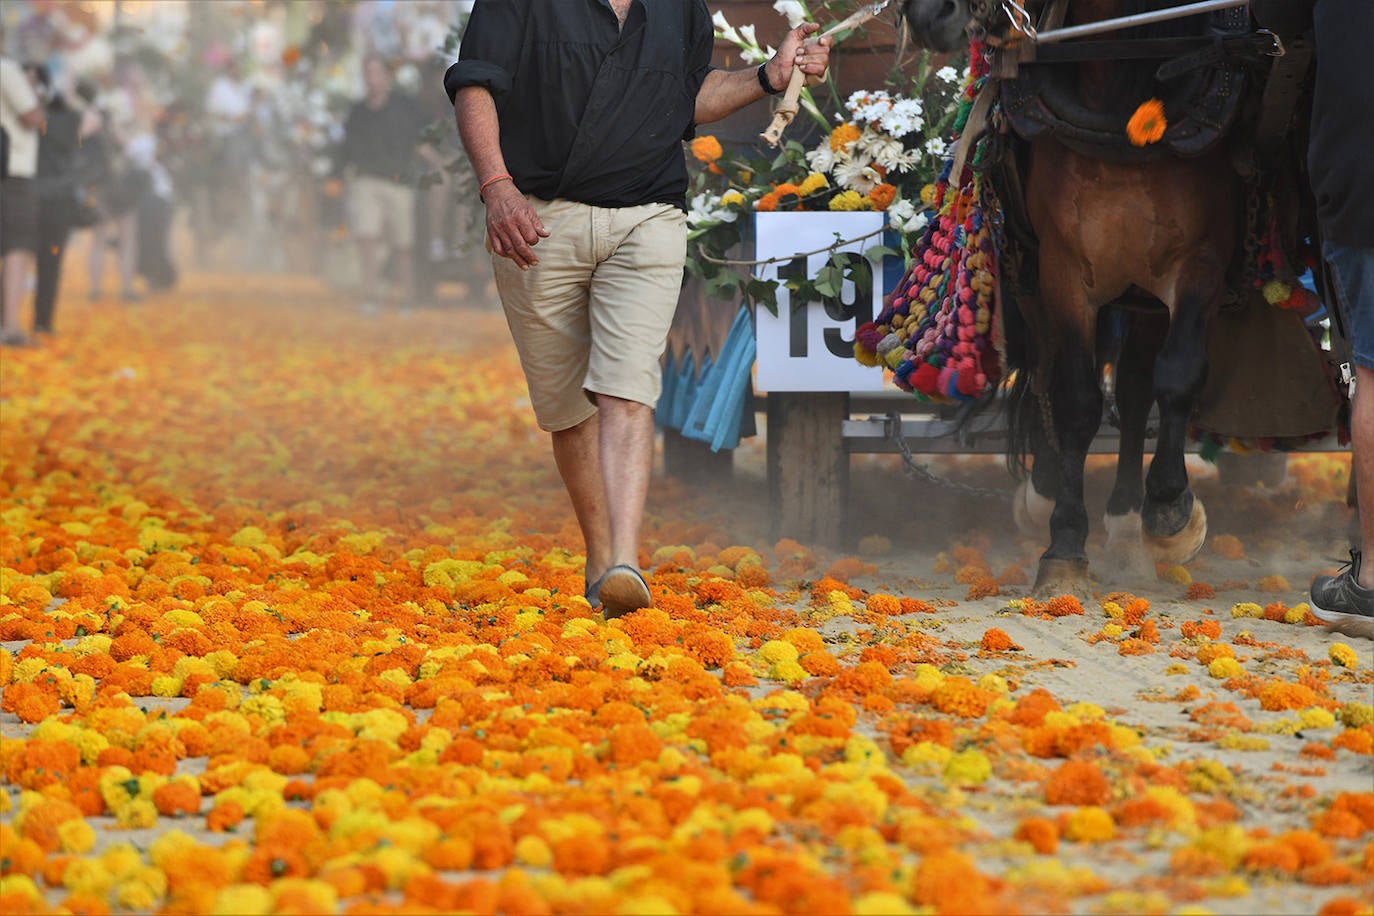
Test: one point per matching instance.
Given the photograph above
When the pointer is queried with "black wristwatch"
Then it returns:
(763, 80)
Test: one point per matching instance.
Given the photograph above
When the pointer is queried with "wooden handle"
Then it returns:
(787, 108)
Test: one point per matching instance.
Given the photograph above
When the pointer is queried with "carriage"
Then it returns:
(1119, 268)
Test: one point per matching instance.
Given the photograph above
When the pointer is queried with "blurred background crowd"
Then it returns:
(149, 137)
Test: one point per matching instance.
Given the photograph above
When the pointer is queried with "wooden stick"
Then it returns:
(789, 105)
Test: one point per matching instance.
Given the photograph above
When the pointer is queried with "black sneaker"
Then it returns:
(1341, 597)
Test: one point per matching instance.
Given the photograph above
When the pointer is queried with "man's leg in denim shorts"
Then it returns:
(1352, 270)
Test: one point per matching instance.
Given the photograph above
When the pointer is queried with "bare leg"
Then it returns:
(577, 453)
(100, 237)
(1362, 464)
(128, 253)
(18, 265)
(627, 451)
(368, 250)
(405, 275)
(437, 196)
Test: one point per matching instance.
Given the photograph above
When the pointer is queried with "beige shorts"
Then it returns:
(382, 209)
(592, 316)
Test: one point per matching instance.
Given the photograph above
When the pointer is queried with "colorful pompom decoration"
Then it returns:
(936, 331)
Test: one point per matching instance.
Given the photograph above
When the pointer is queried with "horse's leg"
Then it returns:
(1076, 397)
(1145, 334)
(1175, 523)
(1033, 502)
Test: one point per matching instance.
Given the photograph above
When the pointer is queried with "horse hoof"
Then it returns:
(1125, 550)
(1030, 510)
(1062, 577)
(1183, 545)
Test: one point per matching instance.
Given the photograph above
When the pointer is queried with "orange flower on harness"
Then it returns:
(1148, 123)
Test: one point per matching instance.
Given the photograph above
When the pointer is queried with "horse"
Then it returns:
(1157, 232)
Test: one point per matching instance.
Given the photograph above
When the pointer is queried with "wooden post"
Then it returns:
(693, 462)
(808, 466)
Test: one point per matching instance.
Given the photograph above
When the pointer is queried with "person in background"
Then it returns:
(22, 119)
(1343, 184)
(153, 212)
(574, 114)
(58, 191)
(378, 157)
(118, 188)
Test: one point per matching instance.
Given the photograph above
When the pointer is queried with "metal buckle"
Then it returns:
(1020, 19)
(1276, 48)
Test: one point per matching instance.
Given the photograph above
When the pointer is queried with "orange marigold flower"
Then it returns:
(820, 664)
(1280, 695)
(1200, 591)
(884, 604)
(707, 149)
(1064, 606)
(882, 195)
(1041, 833)
(1193, 629)
(1078, 782)
(950, 882)
(767, 203)
(177, 797)
(996, 640)
(958, 696)
(843, 135)
(226, 815)
(982, 587)
(1148, 123)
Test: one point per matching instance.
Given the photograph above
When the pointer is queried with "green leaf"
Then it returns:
(878, 252)
(762, 292)
(829, 280)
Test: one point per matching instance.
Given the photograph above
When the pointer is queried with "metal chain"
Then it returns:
(922, 472)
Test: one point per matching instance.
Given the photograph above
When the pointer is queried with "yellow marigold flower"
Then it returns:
(813, 183)
(1343, 655)
(879, 903)
(1090, 824)
(243, 900)
(1178, 575)
(968, 768)
(849, 201)
(76, 836)
(1316, 717)
(1355, 715)
(843, 135)
(1113, 610)
(777, 650)
(792, 672)
(732, 199)
(928, 195)
(1225, 668)
(1246, 609)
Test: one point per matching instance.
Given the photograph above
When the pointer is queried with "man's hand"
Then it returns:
(513, 228)
(812, 56)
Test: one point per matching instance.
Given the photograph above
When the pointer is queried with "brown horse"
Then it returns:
(1109, 227)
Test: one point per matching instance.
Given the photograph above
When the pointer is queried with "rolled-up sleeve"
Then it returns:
(490, 50)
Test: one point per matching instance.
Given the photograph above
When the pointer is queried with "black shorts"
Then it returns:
(18, 216)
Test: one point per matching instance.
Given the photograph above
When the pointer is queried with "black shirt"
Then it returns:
(590, 111)
(1338, 155)
(381, 142)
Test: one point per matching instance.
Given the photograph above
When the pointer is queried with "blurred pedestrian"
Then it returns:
(21, 119)
(118, 186)
(59, 191)
(1343, 183)
(153, 213)
(378, 157)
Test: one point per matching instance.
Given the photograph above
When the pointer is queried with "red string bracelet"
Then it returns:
(492, 180)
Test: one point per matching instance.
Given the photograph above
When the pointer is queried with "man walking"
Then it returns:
(573, 113)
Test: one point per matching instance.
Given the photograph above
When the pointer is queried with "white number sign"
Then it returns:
(809, 346)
